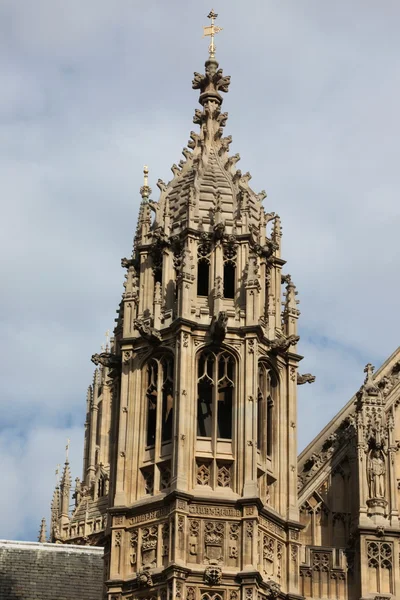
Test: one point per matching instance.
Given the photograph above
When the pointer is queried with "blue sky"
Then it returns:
(93, 90)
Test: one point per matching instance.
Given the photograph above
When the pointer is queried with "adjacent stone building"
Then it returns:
(191, 480)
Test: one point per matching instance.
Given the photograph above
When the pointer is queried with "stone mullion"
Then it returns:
(93, 427)
(120, 495)
(105, 426)
(276, 281)
(168, 276)
(157, 442)
(146, 290)
(214, 432)
(272, 315)
(191, 414)
(137, 420)
(250, 448)
(182, 379)
(392, 480)
(218, 272)
(290, 432)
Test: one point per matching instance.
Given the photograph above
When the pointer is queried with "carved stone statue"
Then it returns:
(376, 473)
(219, 327)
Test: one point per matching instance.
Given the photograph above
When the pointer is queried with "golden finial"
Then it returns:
(211, 30)
(67, 449)
(145, 190)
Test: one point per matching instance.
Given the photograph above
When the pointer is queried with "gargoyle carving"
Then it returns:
(306, 378)
(110, 360)
(127, 262)
(284, 343)
(144, 578)
(148, 333)
(219, 230)
(219, 327)
(273, 589)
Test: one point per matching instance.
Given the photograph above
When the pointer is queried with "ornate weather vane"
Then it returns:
(211, 30)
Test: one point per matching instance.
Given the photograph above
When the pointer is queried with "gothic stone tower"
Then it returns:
(203, 476)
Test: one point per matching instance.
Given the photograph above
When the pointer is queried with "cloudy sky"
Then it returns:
(93, 90)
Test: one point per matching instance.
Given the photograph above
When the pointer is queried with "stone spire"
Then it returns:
(55, 512)
(65, 489)
(42, 533)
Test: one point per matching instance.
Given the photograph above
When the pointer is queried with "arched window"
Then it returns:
(203, 277)
(203, 267)
(215, 386)
(229, 279)
(266, 396)
(159, 399)
(229, 256)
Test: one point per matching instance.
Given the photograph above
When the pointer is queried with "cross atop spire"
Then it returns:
(211, 30)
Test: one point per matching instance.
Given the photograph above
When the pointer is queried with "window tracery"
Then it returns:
(215, 386)
(159, 398)
(229, 258)
(203, 267)
(267, 385)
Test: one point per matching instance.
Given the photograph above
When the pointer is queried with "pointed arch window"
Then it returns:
(215, 388)
(266, 403)
(203, 267)
(159, 400)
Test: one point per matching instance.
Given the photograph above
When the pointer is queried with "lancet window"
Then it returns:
(203, 268)
(159, 399)
(215, 388)
(230, 250)
(266, 396)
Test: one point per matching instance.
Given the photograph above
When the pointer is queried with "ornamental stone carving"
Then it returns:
(213, 575)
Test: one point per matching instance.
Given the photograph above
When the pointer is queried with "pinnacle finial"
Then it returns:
(58, 475)
(67, 450)
(211, 30)
(42, 532)
(145, 190)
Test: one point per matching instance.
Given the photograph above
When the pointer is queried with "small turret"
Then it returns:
(42, 533)
(65, 490)
(290, 312)
(55, 511)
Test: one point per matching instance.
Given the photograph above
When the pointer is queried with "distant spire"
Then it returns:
(211, 30)
(42, 532)
(145, 190)
(67, 451)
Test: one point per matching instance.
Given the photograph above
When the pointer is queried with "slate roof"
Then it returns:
(34, 571)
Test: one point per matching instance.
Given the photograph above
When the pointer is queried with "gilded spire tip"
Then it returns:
(211, 30)
(145, 190)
